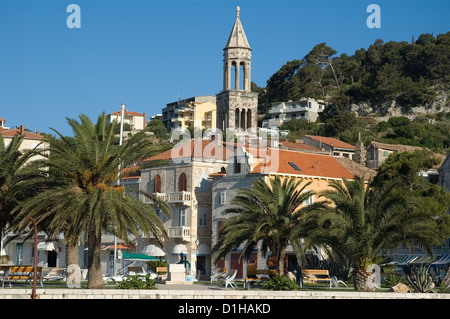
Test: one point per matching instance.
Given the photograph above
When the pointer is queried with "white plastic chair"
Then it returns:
(230, 280)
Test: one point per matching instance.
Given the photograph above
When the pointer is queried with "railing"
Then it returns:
(179, 197)
(182, 232)
(174, 197)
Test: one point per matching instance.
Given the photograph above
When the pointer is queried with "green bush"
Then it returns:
(280, 283)
(138, 282)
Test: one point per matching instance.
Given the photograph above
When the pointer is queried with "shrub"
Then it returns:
(138, 282)
(422, 281)
(280, 283)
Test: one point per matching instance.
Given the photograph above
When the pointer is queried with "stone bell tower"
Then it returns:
(237, 106)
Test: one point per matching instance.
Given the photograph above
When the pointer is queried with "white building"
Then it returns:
(281, 112)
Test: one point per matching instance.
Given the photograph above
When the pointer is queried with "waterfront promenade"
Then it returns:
(207, 291)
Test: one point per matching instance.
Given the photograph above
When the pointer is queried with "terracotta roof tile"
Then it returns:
(298, 146)
(331, 141)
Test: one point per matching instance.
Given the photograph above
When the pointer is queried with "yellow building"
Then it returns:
(199, 115)
(198, 112)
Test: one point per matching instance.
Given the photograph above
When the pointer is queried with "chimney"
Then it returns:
(22, 129)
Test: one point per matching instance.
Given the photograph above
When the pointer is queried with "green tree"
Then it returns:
(158, 128)
(85, 198)
(16, 171)
(269, 214)
(365, 221)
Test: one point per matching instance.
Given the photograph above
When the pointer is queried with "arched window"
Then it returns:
(182, 183)
(237, 115)
(157, 185)
(249, 119)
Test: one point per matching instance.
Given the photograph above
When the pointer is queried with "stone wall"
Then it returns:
(224, 294)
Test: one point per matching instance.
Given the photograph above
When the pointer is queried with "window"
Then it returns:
(237, 165)
(223, 198)
(309, 201)
(294, 166)
(182, 183)
(157, 184)
(182, 217)
(202, 216)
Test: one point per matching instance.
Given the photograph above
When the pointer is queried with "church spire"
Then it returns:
(237, 38)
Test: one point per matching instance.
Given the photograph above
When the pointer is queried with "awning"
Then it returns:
(45, 246)
(130, 256)
(152, 250)
(203, 250)
(119, 246)
(179, 249)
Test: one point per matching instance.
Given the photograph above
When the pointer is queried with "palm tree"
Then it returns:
(365, 221)
(16, 170)
(84, 196)
(267, 213)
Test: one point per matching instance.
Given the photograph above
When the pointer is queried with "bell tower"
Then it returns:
(237, 105)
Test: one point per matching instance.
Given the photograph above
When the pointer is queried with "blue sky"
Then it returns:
(145, 53)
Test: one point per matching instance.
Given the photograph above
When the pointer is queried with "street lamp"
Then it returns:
(122, 111)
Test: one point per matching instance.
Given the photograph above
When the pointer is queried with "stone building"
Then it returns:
(183, 182)
(266, 163)
(236, 104)
(329, 144)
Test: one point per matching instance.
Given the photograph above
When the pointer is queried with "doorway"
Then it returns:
(51, 258)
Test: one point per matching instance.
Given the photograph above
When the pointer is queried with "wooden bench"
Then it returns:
(161, 272)
(313, 276)
(257, 275)
(20, 273)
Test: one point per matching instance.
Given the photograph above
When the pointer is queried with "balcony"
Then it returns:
(178, 232)
(171, 198)
(181, 232)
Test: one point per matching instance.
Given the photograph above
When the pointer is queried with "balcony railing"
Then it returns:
(182, 232)
(179, 232)
(171, 198)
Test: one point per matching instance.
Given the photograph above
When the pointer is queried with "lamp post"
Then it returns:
(33, 292)
(122, 111)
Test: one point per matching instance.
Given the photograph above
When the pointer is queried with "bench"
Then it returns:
(20, 273)
(258, 275)
(53, 274)
(161, 272)
(313, 276)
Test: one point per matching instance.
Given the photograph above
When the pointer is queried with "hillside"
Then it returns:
(393, 78)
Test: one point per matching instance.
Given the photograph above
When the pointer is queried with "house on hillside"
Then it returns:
(133, 120)
(332, 145)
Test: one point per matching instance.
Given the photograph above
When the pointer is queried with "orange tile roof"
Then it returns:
(331, 141)
(298, 146)
(265, 161)
(195, 148)
(13, 132)
(310, 164)
(127, 113)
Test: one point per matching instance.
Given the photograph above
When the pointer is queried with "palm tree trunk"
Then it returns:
(95, 277)
(364, 280)
(72, 265)
(280, 261)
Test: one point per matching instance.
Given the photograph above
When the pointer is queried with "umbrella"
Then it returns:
(152, 250)
(179, 249)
